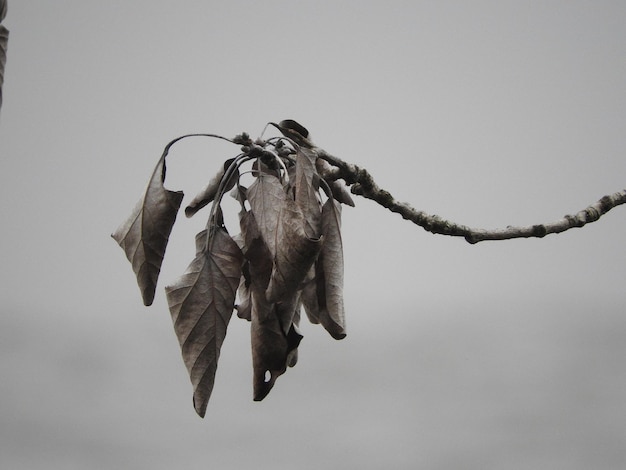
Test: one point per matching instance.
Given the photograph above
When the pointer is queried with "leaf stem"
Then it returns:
(228, 175)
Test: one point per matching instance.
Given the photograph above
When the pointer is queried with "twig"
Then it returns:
(364, 185)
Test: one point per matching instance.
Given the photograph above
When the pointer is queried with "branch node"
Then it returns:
(539, 231)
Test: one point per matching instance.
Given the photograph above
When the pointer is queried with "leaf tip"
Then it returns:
(148, 298)
(263, 383)
(200, 407)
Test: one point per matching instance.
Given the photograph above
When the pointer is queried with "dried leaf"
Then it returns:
(4, 41)
(208, 193)
(258, 265)
(330, 272)
(269, 346)
(306, 194)
(295, 131)
(273, 335)
(244, 307)
(308, 296)
(144, 235)
(295, 253)
(205, 196)
(273, 349)
(293, 126)
(267, 196)
(201, 303)
(340, 193)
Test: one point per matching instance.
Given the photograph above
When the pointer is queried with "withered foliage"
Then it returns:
(287, 257)
(4, 41)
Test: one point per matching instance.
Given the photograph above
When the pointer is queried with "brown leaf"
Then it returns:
(287, 125)
(208, 193)
(309, 296)
(341, 193)
(205, 196)
(269, 346)
(244, 307)
(273, 333)
(267, 196)
(201, 303)
(4, 41)
(330, 272)
(295, 253)
(274, 347)
(258, 265)
(295, 131)
(144, 235)
(307, 190)
(283, 227)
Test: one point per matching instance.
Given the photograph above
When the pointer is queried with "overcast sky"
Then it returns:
(503, 355)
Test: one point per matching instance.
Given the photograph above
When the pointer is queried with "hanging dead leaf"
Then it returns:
(329, 272)
(244, 307)
(308, 296)
(208, 193)
(307, 190)
(4, 41)
(257, 267)
(340, 193)
(144, 235)
(269, 346)
(267, 196)
(201, 303)
(295, 253)
(273, 349)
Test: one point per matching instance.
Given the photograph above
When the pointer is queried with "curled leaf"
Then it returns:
(293, 126)
(201, 303)
(257, 266)
(295, 131)
(295, 253)
(4, 41)
(144, 234)
(267, 196)
(269, 346)
(322, 294)
(340, 193)
(307, 190)
(244, 307)
(274, 347)
(274, 333)
(208, 193)
(332, 315)
(309, 297)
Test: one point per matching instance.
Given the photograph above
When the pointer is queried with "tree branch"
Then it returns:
(364, 185)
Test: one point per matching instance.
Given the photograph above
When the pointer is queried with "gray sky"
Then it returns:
(499, 355)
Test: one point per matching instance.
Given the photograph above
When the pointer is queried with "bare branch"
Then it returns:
(364, 185)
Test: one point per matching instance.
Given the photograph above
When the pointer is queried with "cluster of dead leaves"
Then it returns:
(287, 257)
(4, 40)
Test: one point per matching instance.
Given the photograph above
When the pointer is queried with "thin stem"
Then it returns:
(228, 175)
(364, 185)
